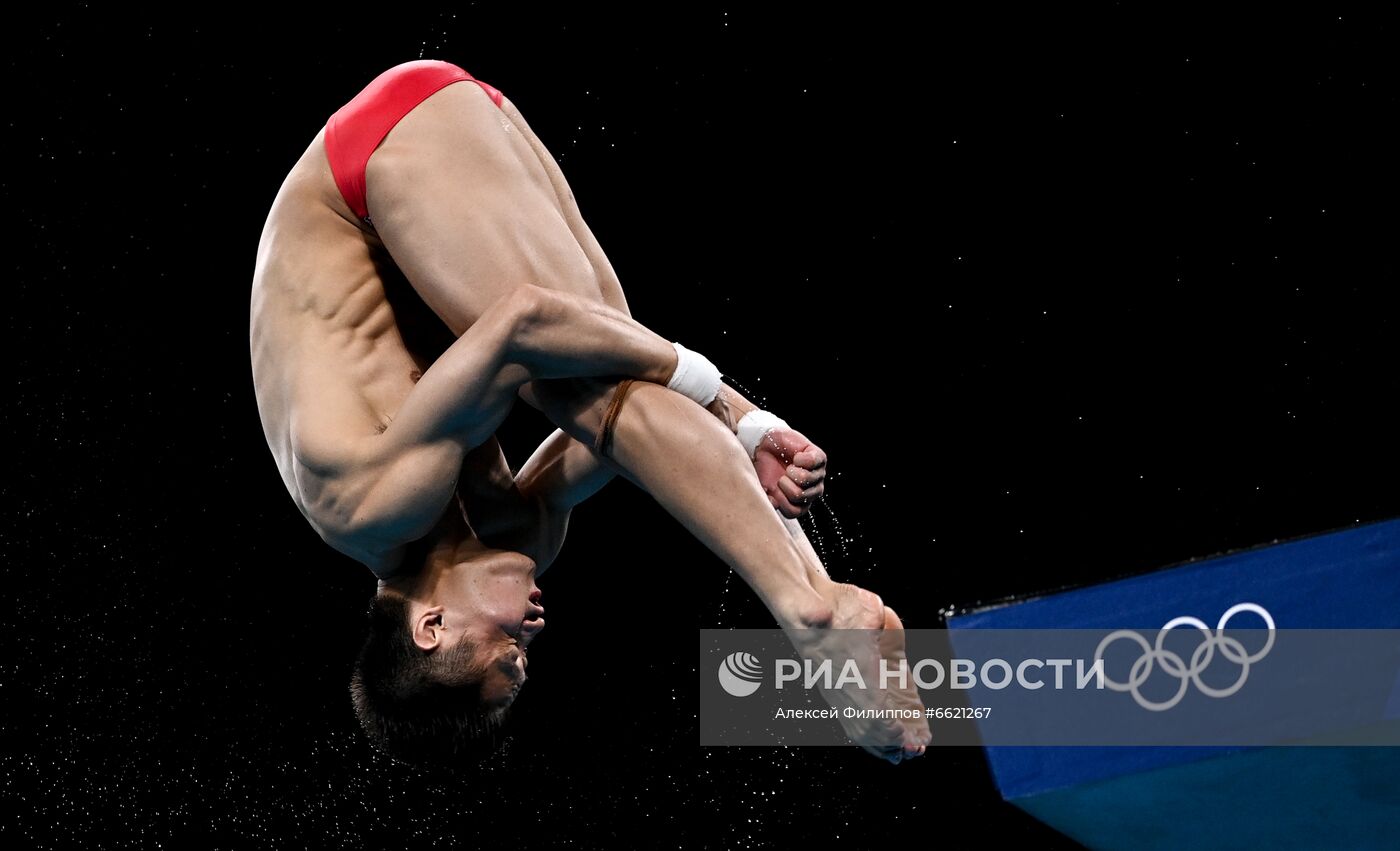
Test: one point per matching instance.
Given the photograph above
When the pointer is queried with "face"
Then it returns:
(489, 598)
(502, 636)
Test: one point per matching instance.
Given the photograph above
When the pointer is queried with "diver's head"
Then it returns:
(445, 655)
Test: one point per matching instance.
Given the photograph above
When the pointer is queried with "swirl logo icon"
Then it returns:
(740, 673)
(1172, 664)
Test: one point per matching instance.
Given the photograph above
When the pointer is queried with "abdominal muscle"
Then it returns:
(330, 367)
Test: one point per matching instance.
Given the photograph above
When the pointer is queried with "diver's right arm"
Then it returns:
(401, 480)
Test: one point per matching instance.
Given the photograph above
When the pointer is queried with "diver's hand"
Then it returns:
(791, 469)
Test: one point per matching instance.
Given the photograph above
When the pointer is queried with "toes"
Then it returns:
(892, 621)
(873, 600)
(916, 736)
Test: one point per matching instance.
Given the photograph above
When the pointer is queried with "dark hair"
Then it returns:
(416, 706)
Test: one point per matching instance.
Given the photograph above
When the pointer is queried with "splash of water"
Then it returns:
(814, 534)
(757, 398)
(441, 45)
(724, 596)
(813, 530)
(836, 525)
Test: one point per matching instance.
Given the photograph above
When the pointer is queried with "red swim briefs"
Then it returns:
(357, 128)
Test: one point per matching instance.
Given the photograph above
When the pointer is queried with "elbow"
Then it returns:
(527, 314)
(527, 304)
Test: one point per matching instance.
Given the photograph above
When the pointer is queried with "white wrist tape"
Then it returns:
(695, 377)
(754, 426)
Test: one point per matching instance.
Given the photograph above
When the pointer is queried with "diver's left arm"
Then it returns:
(560, 474)
(528, 512)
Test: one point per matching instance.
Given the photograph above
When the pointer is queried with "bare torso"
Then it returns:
(331, 362)
(339, 337)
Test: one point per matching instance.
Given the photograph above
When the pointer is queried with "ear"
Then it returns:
(428, 629)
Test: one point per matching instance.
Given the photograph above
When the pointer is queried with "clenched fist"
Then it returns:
(791, 469)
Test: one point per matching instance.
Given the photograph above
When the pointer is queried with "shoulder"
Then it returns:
(332, 476)
(356, 540)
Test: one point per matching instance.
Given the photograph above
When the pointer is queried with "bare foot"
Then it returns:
(858, 617)
(916, 730)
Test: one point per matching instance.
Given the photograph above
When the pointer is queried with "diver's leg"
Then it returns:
(697, 471)
(916, 730)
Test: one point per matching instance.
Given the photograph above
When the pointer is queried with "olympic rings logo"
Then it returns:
(1173, 665)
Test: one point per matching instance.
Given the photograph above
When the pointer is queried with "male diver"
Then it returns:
(384, 436)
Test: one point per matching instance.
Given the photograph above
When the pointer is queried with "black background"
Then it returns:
(1063, 296)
